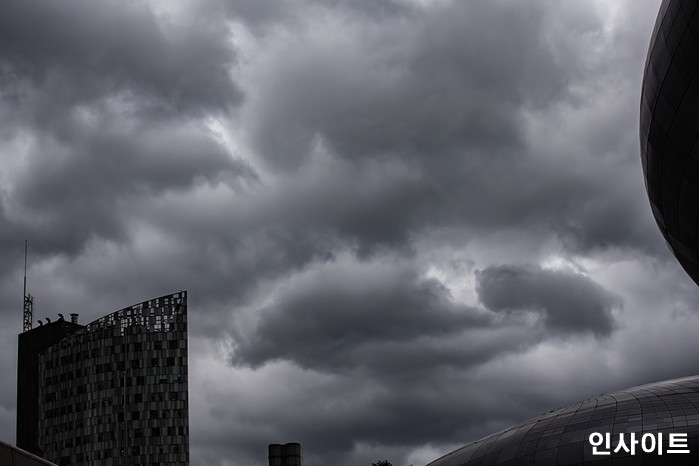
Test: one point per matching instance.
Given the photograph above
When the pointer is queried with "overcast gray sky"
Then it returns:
(403, 224)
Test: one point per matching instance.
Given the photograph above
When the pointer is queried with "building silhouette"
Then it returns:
(289, 454)
(112, 392)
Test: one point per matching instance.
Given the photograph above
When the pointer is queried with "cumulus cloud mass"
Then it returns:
(403, 224)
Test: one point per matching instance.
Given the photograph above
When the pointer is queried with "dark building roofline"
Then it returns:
(13, 456)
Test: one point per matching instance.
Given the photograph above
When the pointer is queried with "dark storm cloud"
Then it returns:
(103, 97)
(382, 321)
(326, 322)
(444, 405)
(90, 180)
(263, 17)
(567, 301)
(222, 268)
(448, 94)
(79, 51)
(377, 215)
(412, 87)
(379, 141)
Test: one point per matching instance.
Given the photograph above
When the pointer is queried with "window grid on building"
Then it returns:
(116, 392)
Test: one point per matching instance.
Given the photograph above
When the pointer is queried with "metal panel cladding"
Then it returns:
(669, 128)
(562, 436)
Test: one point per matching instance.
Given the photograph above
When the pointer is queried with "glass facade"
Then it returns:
(115, 392)
(669, 127)
(562, 436)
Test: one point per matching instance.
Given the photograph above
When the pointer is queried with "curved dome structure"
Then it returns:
(562, 437)
(670, 126)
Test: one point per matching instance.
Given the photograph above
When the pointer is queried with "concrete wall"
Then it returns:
(13, 456)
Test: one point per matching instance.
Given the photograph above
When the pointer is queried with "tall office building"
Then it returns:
(112, 392)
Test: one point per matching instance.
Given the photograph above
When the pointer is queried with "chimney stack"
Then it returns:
(74, 318)
(289, 454)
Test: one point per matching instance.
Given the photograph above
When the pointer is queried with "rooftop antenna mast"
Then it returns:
(28, 299)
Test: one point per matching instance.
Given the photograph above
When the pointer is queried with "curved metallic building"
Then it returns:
(670, 126)
(562, 437)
